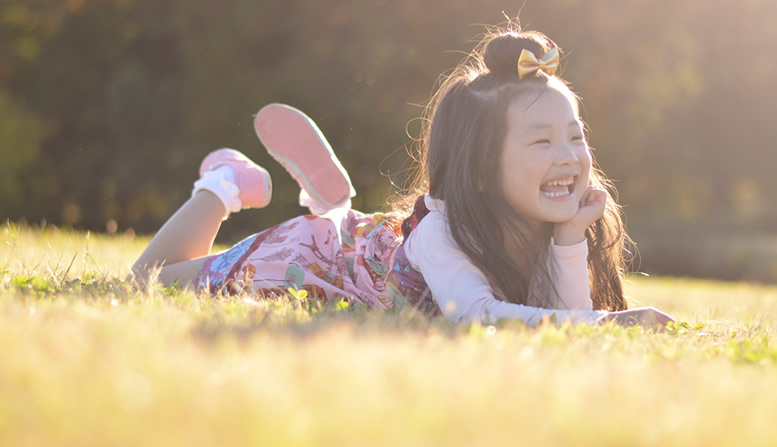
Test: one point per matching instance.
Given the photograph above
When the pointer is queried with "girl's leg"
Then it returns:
(229, 181)
(183, 243)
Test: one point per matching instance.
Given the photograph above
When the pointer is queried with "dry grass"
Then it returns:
(89, 360)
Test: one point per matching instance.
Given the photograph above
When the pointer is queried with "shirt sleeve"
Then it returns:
(568, 266)
(462, 290)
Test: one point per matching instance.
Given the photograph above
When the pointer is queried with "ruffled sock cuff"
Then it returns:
(221, 182)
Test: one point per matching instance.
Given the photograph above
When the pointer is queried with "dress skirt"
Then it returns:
(343, 254)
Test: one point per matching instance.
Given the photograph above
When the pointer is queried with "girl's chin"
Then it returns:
(557, 218)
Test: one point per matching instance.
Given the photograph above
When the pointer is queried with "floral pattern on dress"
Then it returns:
(332, 261)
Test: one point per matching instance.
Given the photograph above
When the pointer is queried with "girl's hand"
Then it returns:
(647, 317)
(591, 209)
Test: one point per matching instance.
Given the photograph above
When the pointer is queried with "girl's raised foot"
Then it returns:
(296, 142)
(253, 181)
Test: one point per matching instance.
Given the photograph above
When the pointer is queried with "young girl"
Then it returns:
(508, 219)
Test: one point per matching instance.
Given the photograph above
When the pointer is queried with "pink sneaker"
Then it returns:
(252, 180)
(296, 142)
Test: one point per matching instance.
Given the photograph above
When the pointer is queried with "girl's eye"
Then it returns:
(541, 142)
(578, 138)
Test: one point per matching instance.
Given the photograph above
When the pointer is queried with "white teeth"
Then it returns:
(555, 194)
(561, 182)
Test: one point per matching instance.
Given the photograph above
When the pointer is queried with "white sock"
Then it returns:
(221, 182)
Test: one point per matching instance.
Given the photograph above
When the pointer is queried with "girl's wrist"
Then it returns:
(566, 235)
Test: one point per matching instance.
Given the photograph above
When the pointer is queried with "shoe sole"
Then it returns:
(296, 142)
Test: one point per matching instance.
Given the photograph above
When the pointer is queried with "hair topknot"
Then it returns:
(502, 52)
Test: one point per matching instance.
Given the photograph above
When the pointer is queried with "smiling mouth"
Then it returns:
(558, 187)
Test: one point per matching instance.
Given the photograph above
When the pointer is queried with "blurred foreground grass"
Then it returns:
(85, 359)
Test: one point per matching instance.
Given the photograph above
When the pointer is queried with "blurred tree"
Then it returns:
(24, 27)
(21, 133)
(108, 106)
(108, 79)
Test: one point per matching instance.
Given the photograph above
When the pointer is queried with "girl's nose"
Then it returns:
(566, 154)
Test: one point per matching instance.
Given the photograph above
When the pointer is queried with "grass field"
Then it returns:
(86, 359)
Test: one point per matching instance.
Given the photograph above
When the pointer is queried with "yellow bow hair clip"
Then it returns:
(528, 63)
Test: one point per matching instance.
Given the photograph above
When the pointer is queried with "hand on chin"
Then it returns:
(591, 209)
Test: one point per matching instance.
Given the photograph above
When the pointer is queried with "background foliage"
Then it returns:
(108, 106)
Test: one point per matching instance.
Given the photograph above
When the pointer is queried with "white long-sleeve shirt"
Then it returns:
(463, 292)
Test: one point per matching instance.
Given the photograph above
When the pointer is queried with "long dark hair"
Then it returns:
(459, 153)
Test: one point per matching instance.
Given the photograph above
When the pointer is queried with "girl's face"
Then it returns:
(545, 162)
